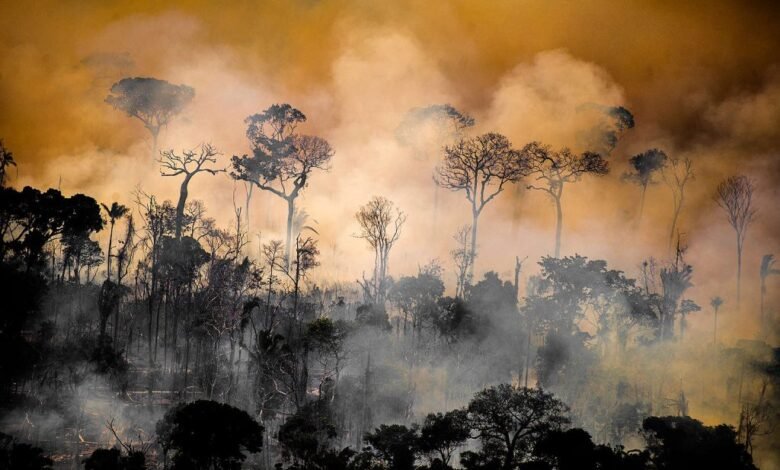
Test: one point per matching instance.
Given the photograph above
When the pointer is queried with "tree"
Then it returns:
(676, 174)
(735, 196)
(481, 167)
(380, 225)
(307, 434)
(511, 420)
(206, 434)
(682, 442)
(115, 212)
(153, 102)
(767, 263)
(282, 160)
(554, 169)
(189, 164)
(29, 219)
(441, 434)
(417, 297)
(6, 161)
(396, 444)
(715, 302)
(461, 255)
(645, 166)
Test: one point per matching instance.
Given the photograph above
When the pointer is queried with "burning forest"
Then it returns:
(324, 235)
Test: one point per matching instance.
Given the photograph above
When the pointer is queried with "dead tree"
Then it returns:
(189, 164)
(735, 196)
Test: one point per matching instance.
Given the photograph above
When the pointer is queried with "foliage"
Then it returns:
(206, 434)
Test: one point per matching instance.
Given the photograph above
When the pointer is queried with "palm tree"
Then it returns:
(716, 302)
(6, 161)
(766, 270)
(115, 212)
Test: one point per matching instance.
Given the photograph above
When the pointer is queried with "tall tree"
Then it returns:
(380, 225)
(645, 165)
(152, 101)
(553, 169)
(767, 269)
(735, 196)
(676, 175)
(189, 164)
(481, 167)
(115, 212)
(282, 160)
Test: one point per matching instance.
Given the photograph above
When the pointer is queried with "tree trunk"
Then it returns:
(474, 222)
(288, 240)
(108, 257)
(180, 206)
(715, 328)
(739, 271)
(674, 222)
(558, 225)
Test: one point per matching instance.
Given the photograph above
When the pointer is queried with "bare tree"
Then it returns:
(676, 175)
(553, 169)
(189, 164)
(153, 102)
(767, 269)
(735, 196)
(380, 225)
(461, 255)
(645, 165)
(481, 167)
(282, 160)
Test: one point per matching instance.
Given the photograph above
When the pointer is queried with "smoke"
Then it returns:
(701, 80)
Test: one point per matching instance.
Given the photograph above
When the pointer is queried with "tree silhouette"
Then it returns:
(115, 212)
(189, 164)
(282, 160)
(481, 167)
(767, 269)
(554, 169)
(716, 303)
(206, 434)
(396, 444)
(152, 101)
(735, 197)
(441, 434)
(645, 165)
(511, 420)
(682, 442)
(6, 161)
(380, 225)
(676, 174)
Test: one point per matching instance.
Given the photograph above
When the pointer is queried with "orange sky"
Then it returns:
(701, 78)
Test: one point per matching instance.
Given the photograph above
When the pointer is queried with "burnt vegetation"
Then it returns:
(175, 344)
